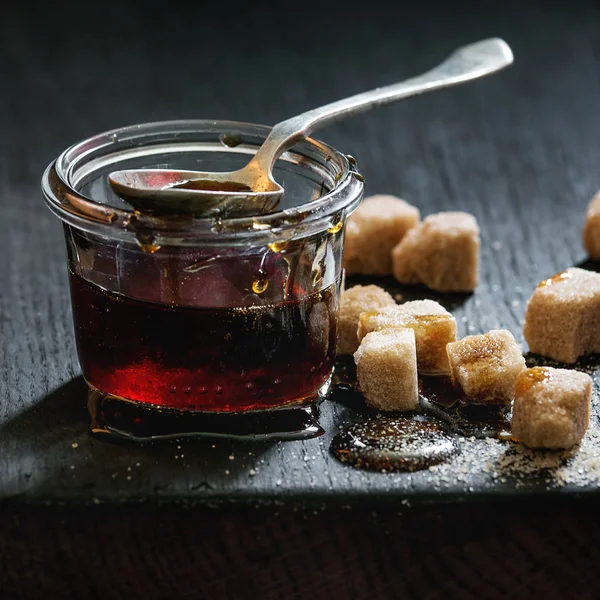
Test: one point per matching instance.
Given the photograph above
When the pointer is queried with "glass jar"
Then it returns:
(203, 315)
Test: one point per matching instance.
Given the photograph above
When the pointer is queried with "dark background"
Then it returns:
(75, 69)
(520, 150)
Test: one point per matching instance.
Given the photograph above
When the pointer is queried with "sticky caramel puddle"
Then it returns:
(410, 442)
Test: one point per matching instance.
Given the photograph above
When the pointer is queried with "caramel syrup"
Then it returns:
(210, 185)
(439, 397)
(558, 278)
(410, 442)
(113, 419)
(393, 444)
(530, 377)
(204, 359)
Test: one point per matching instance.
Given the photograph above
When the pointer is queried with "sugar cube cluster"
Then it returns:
(385, 236)
(392, 343)
(433, 325)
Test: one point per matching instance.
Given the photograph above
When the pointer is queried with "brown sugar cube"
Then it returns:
(591, 229)
(433, 325)
(319, 326)
(562, 319)
(354, 301)
(552, 407)
(486, 366)
(386, 369)
(442, 253)
(373, 230)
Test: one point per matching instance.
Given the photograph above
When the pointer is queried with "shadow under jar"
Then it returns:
(201, 316)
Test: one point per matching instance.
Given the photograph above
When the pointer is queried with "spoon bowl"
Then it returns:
(168, 191)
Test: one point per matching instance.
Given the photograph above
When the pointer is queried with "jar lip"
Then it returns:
(93, 216)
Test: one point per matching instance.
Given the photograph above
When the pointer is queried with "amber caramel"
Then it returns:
(217, 359)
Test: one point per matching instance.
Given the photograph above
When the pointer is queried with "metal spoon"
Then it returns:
(252, 189)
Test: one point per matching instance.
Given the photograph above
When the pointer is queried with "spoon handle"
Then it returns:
(464, 64)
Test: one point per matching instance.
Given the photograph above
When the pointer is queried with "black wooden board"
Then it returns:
(519, 150)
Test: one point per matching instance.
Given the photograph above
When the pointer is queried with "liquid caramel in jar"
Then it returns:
(205, 359)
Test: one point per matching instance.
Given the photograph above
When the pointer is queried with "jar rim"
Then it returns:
(85, 213)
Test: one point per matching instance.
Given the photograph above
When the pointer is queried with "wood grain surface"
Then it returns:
(519, 150)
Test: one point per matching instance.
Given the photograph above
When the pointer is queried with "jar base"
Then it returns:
(116, 419)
